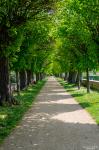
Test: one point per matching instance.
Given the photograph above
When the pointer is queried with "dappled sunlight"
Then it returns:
(73, 117)
(40, 130)
(37, 117)
(55, 122)
(58, 90)
(30, 89)
(3, 116)
(60, 101)
(22, 94)
(61, 93)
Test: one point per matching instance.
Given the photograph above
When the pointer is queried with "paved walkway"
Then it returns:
(55, 122)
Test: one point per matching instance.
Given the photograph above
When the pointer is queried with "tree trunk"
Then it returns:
(72, 77)
(10, 89)
(41, 76)
(29, 77)
(32, 76)
(79, 80)
(60, 75)
(18, 82)
(23, 79)
(44, 75)
(88, 81)
(4, 80)
(37, 77)
(66, 75)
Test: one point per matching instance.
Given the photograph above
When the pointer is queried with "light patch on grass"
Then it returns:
(2, 116)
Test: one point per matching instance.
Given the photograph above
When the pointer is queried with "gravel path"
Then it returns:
(55, 122)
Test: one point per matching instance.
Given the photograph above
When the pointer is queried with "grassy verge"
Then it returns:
(10, 116)
(88, 101)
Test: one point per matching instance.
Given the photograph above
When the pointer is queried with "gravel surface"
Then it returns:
(55, 122)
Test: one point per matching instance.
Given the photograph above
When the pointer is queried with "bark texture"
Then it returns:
(23, 79)
(88, 81)
(37, 77)
(18, 82)
(66, 76)
(4, 80)
(72, 77)
(29, 77)
(79, 80)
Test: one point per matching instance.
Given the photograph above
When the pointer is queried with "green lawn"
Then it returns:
(88, 101)
(10, 116)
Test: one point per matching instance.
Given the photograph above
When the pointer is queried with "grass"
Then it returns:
(11, 116)
(88, 101)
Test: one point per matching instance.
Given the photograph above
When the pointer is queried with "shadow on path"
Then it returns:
(55, 122)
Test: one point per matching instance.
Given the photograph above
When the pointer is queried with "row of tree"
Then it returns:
(76, 30)
(24, 42)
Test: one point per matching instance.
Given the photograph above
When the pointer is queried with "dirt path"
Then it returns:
(55, 122)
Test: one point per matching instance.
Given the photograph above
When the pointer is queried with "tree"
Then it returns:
(77, 44)
(14, 16)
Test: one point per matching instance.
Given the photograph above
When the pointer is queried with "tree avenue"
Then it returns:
(47, 37)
